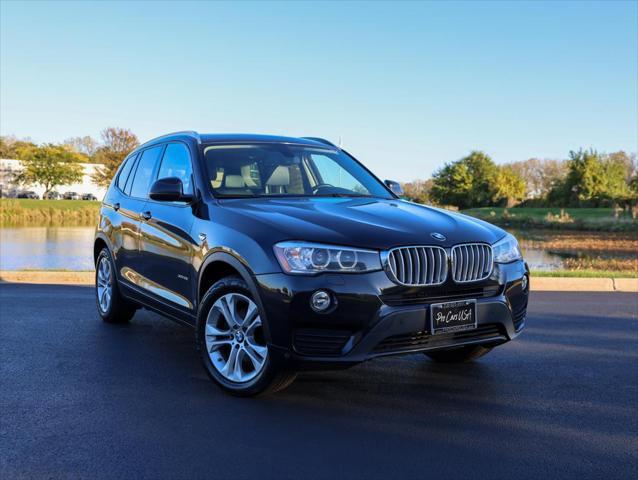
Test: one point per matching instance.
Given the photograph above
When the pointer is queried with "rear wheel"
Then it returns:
(459, 355)
(232, 343)
(112, 307)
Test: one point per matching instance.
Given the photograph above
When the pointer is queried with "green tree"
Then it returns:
(117, 143)
(510, 187)
(618, 168)
(469, 182)
(585, 179)
(12, 148)
(49, 166)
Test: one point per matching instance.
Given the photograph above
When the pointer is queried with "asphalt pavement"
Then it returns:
(83, 399)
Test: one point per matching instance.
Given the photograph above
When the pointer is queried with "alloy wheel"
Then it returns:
(234, 338)
(104, 286)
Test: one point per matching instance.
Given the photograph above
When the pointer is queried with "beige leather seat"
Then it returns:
(279, 180)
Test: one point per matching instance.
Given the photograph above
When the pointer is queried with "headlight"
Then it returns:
(302, 257)
(506, 250)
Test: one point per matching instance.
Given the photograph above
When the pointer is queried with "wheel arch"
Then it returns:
(100, 243)
(220, 264)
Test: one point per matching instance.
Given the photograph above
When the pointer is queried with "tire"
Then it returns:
(234, 352)
(459, 355)
(116, 309)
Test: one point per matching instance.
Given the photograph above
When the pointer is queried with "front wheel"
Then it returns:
(232, 342)
(459, 355)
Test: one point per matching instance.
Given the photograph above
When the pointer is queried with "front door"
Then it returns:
(166, 245)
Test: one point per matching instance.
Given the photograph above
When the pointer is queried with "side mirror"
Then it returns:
(395, 187)
(168, 189)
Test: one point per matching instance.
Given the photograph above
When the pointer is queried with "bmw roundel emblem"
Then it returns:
(438, 236)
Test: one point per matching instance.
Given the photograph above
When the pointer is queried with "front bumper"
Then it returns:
(373, 316)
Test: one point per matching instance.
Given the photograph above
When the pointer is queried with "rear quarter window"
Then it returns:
(125, 172)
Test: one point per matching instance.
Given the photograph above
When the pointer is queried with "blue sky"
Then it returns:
(407, 86)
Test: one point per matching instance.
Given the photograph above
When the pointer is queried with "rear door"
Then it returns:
(166, 245)
(123, 216)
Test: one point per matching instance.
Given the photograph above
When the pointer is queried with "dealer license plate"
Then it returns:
(452, 316)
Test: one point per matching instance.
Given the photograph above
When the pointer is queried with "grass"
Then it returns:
(541, 213)
(28, 212)
(597, 219)
(584, 274)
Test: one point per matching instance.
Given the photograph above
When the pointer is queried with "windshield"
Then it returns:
(275, 170)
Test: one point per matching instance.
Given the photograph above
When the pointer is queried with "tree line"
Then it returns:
(51, 165)
(586, 178)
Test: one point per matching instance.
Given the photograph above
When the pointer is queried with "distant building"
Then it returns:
(9, 167)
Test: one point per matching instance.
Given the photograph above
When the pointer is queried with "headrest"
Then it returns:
(248, 180)
(280, 177)
(234, 181)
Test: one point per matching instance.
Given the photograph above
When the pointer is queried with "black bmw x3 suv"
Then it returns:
(287, 253)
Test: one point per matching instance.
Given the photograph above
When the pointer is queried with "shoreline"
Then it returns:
(537, 283)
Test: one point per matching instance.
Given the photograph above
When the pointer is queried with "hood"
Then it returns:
(360, 222)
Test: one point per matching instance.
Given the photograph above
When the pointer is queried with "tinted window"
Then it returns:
(177, 163)
(279, 169)
(124, 172)
(144, 172)
(127, 188)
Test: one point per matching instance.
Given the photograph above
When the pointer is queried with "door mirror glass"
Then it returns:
(169, 189)
(395, 187)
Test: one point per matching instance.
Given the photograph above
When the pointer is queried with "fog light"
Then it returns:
(320, 301)
(524, 283)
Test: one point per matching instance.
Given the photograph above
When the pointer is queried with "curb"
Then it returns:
(50, 278)
(538, 284)
(574, 284)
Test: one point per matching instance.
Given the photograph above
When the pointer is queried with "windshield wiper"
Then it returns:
(344, 195)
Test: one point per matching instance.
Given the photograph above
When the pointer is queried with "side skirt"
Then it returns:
(162, 308)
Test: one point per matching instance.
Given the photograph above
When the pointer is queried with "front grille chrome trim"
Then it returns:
(430, 265)
(417, 266)
(471, 262)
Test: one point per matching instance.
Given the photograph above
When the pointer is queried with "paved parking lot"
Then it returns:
(80, 398)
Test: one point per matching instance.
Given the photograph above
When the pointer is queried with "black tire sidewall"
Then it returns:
(258, 384)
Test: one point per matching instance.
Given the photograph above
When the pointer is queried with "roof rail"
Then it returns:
(190, 133)
(321, 140)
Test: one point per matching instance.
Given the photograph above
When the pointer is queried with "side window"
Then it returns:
(144, 172)
(177, 163)
(125, 171)
(127, 187)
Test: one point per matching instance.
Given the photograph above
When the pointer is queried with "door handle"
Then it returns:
(116, 206)
(146, 215)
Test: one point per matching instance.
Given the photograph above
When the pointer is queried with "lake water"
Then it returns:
(46, 248)
(71, 248)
